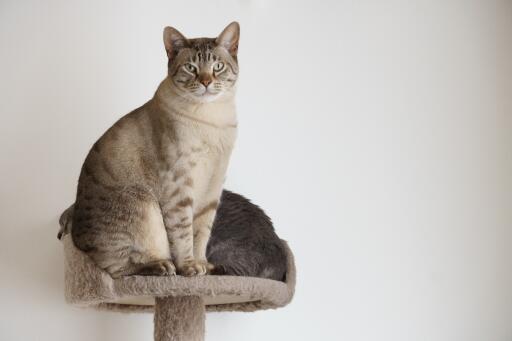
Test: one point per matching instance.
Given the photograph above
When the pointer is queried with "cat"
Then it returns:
(149, 188)
(242, 243)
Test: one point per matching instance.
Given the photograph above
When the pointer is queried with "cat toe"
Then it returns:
(203, 267)
(169, 267)
(158, 268)
(187, 270)
(194, 268)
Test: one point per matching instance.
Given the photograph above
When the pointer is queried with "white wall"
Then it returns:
(377, 135)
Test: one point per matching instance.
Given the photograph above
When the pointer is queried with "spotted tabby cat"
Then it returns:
(150, 186)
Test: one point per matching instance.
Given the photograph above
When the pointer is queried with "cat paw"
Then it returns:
(194, 268)
(208, 267)
(158, 268)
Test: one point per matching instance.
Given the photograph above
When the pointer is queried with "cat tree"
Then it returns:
(179, 303)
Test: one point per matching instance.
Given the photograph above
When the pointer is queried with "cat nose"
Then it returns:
(205, 81)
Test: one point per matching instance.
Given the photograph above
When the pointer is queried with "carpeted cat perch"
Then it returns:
(179, 303)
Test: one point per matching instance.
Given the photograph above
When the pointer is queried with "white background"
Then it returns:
(377, 135)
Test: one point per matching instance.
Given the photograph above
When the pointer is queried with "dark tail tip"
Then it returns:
(219, 270)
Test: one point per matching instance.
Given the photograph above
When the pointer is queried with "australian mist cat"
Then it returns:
(150, 186)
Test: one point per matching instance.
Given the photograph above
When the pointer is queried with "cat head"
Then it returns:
(203, 69)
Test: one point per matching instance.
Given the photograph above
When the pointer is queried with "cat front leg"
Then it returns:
(178, 224)
(203, 222)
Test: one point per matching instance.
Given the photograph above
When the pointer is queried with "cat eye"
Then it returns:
(217, 67)
(190, 67)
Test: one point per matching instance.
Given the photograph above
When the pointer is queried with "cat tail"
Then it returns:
(65, 220)
(222, 269)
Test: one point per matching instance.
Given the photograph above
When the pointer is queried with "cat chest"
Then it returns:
(197, 168)
(208, 176)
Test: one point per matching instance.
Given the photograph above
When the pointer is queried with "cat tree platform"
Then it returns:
(179, 303)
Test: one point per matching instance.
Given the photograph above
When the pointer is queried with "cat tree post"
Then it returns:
(179, 318)
(179, 303)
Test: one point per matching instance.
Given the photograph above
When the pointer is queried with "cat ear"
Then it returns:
(173, 41)
(229, 38)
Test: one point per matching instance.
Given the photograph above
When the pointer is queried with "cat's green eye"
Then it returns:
(217, 67)
(190, 67)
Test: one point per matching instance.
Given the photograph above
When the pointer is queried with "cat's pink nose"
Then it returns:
(205, 81)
